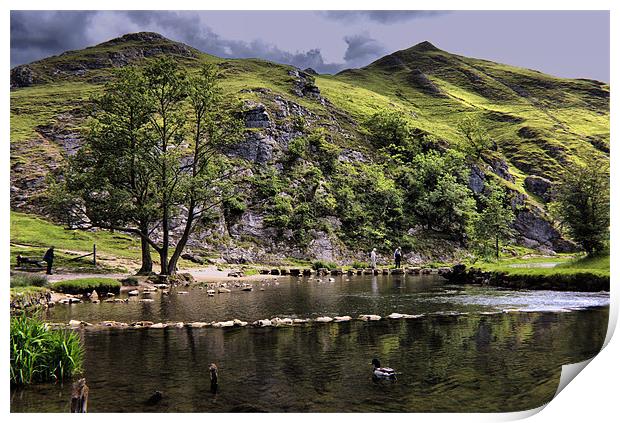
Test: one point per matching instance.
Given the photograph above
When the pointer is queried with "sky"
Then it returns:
(571, 44)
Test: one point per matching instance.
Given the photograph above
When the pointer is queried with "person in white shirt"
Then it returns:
(373, 258)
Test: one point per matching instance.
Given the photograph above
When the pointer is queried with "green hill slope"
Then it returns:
(539, 124)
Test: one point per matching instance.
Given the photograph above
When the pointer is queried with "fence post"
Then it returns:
(94, 254)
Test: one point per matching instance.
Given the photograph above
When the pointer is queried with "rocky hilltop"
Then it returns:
(539, 124)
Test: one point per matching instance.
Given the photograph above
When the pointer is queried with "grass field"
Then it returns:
(564, 265)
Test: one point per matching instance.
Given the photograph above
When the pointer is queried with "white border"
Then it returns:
(591, 397)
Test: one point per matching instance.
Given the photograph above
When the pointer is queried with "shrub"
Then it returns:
(86, 285)
(41, 355)
(27, 279)
(321, 264)
(360, 264)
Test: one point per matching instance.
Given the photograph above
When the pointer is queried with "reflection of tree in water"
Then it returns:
(499, 362)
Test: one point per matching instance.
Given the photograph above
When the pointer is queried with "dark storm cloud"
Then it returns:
(380, 16)
(44, 33)
(361, 49)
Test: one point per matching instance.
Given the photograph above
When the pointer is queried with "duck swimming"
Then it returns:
(382, 372)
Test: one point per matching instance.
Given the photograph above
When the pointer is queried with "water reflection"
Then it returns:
(307, 298)
(499, 362)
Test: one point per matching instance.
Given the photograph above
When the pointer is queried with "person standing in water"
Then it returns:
(49, 259)
(373, 258)
(397, 257)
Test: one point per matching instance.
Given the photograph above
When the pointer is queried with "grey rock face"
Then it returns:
(500, 168)
(303, 85)
(476, 179)
(539, 186)
(351, 156)
(256, 116)
(322, 248)
(257, 147)
(21, 76)
(537, 232)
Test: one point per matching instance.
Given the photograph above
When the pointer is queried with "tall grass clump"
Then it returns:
(39, 354)
(27, 279)
(322, 264)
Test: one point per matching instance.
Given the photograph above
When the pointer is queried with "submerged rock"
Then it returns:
(158, 326)
(198, 325)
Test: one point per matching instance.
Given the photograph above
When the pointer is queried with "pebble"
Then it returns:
(223, 290)
(134, 292)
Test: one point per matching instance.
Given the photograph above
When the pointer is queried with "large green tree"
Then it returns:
(436, 191)
(107, 183)
(583, 204)
(168, 169)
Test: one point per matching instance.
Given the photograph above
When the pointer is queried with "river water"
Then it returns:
(470, 349)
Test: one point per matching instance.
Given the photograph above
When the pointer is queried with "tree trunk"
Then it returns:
(147, 261)
(172, 265)
(497, 247)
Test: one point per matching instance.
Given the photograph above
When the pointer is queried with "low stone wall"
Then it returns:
(579, 281)
(22, 301)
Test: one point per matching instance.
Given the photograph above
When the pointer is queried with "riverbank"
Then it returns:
(586, 274)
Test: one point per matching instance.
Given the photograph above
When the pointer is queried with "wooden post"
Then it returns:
(79, 396)
(94, 254)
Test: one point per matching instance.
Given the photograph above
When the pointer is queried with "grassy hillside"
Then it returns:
(539, 123)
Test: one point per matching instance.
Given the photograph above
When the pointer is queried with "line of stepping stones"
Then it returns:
(274, 322)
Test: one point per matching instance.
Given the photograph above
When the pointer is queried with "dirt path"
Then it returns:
(202, 274)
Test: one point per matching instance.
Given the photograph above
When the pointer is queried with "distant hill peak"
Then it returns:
(144, 37)
(424, 46)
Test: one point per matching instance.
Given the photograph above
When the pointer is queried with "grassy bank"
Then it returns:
(566, 274)
(42, 355)
(88, 285)
(562, 265)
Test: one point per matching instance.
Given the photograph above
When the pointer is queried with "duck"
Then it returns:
(382, 372)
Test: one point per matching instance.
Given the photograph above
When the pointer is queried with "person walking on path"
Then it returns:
(49, 259)
(373, 258)
(397, 257)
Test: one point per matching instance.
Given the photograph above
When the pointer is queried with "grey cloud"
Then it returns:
(361, 49)
(380, 16)
(43, 33)
(187, 27)
(39, 34)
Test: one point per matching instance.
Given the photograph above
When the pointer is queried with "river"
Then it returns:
(470, 348)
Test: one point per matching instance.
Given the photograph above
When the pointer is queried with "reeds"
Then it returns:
(39, 354)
